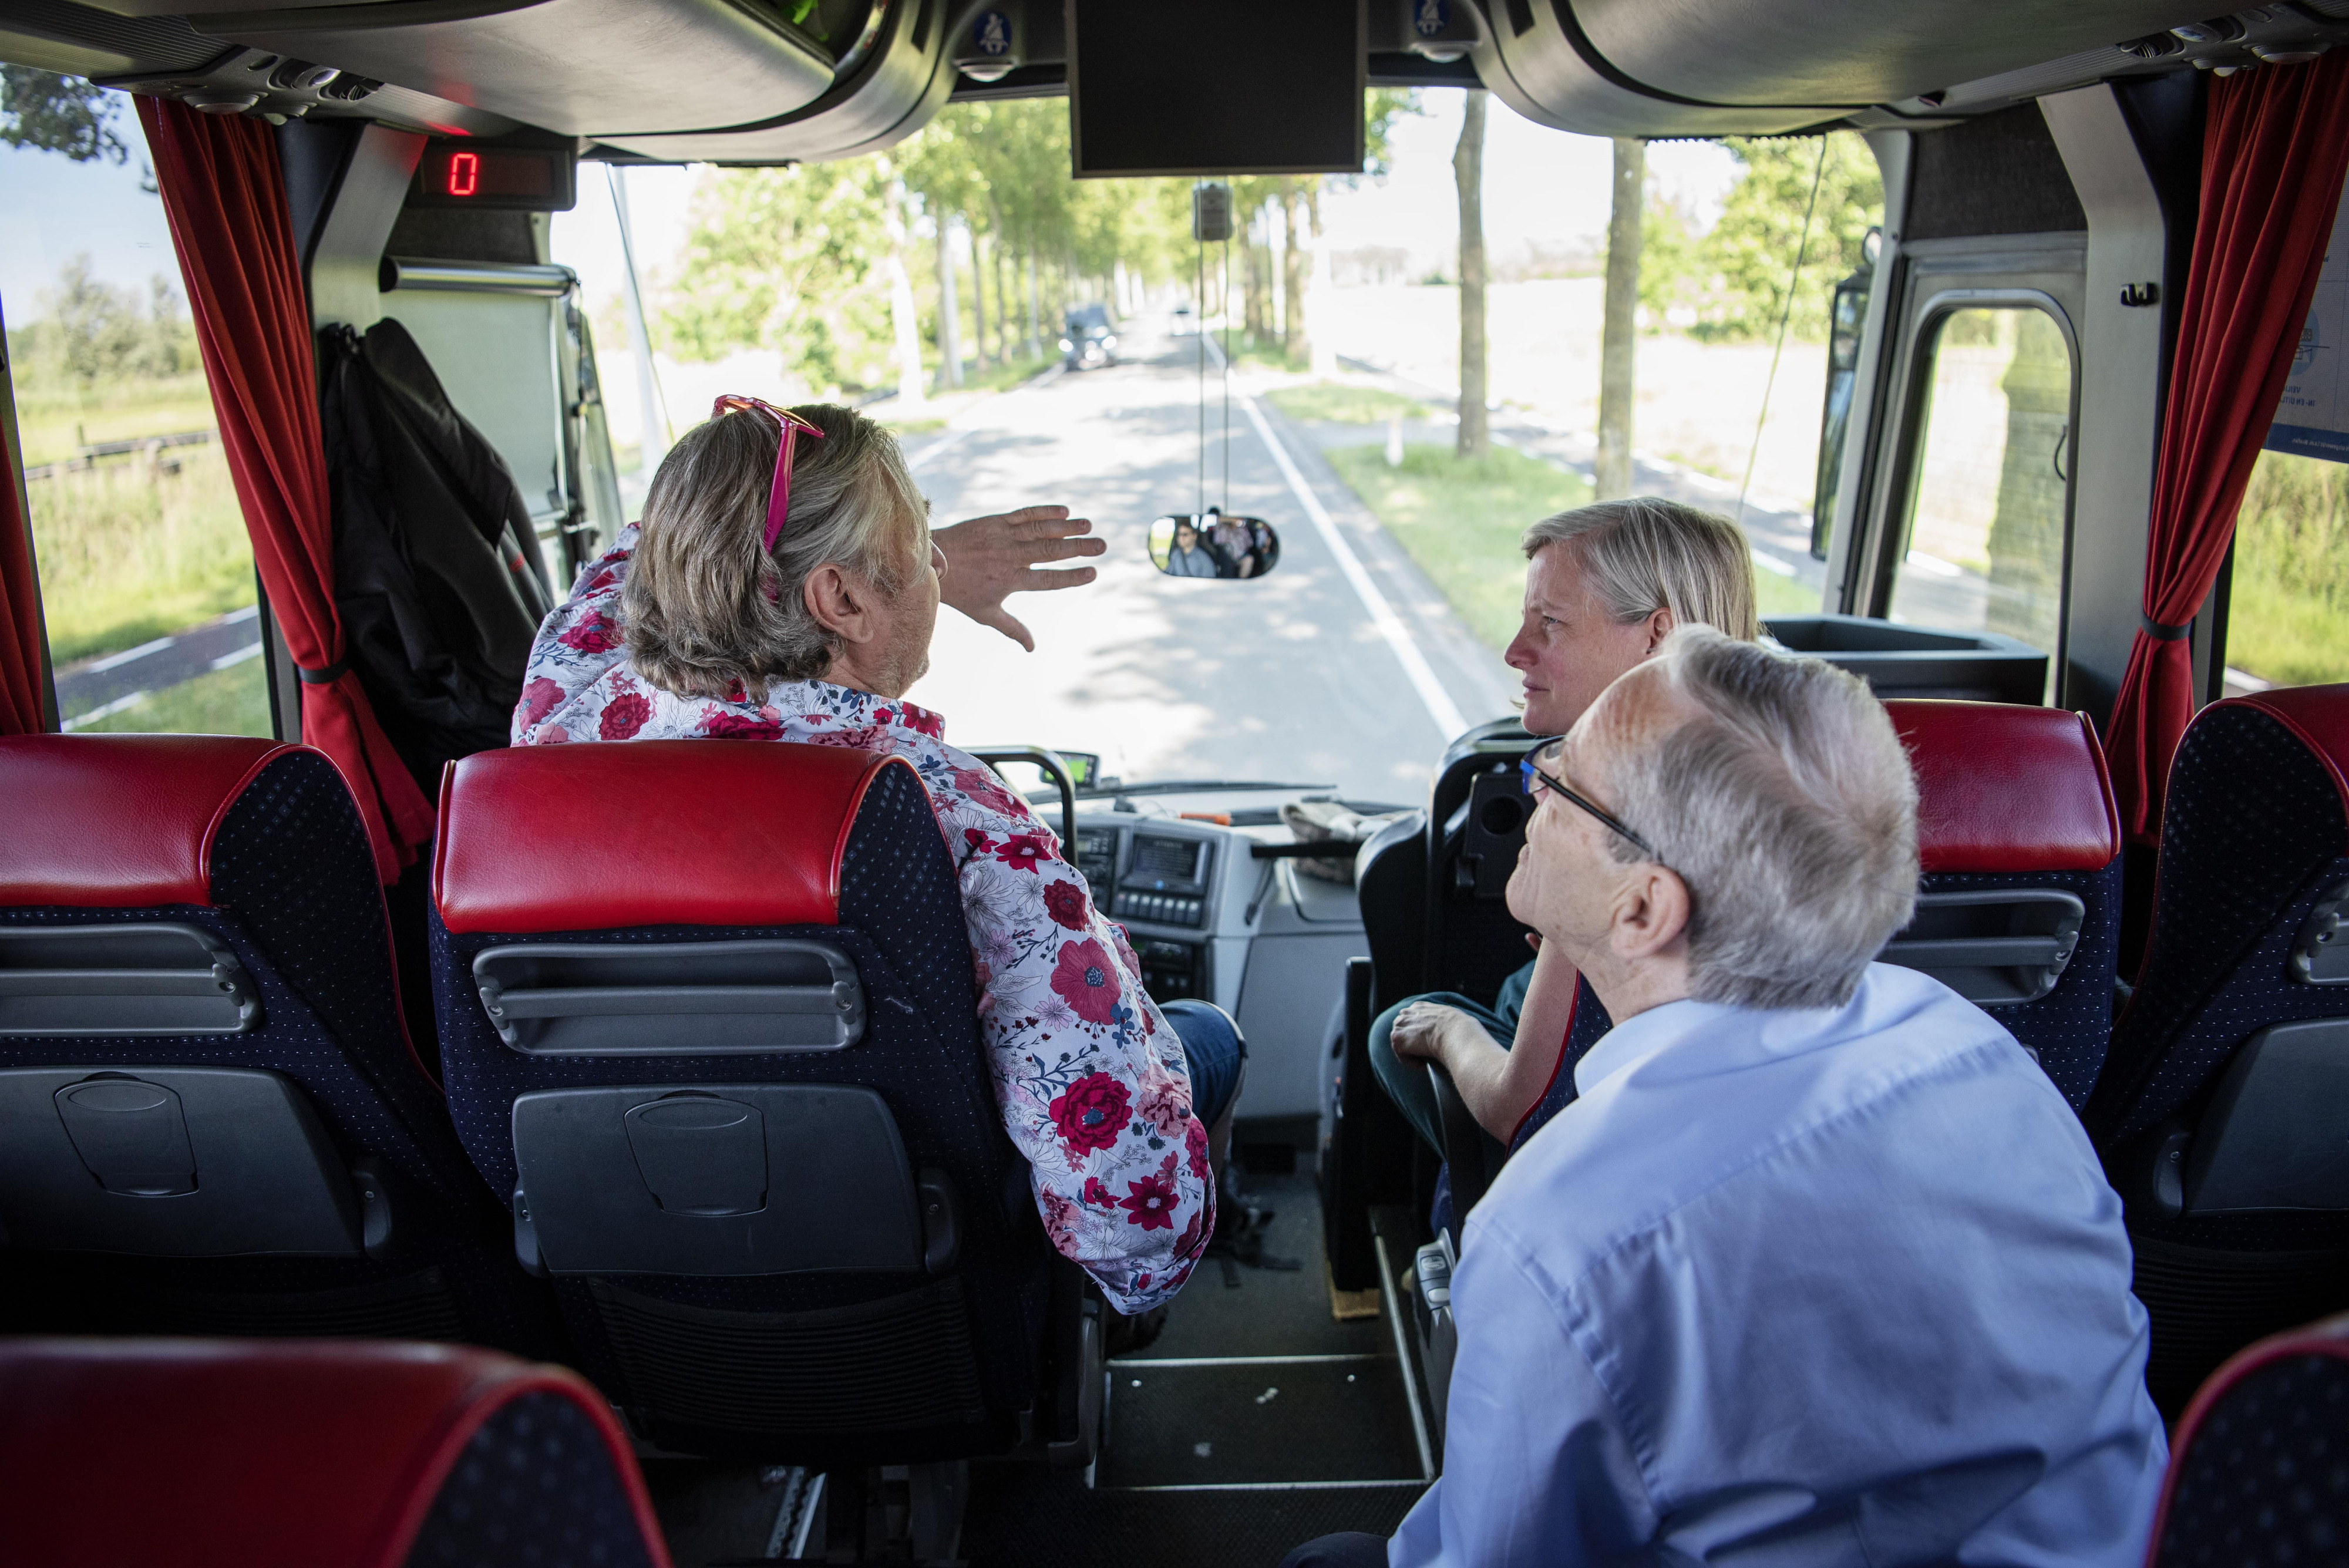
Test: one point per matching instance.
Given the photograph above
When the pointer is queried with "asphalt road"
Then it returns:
(98, 687)
(1344, 666)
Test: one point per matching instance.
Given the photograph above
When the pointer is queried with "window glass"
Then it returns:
(1987, 507)
(146, 572)
(2288, 615)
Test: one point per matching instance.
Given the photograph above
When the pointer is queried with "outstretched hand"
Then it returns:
(988, 558)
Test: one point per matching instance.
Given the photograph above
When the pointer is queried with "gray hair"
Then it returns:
(1787, 807)
(706, 607)
(1646, 554)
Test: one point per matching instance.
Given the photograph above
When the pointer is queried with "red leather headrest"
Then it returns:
(2006, 788)
(595, 835)
(238, 1454)
(2318, 715)
(118, 821)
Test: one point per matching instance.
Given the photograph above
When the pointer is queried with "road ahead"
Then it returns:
(1296, 676)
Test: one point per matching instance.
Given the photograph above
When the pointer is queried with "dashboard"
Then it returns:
(1157, 877)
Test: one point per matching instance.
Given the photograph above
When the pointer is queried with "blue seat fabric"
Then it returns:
(2252, 836)
(900, 923)
(295, 894)
(2264, 1480)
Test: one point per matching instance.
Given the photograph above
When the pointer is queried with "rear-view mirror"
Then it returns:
(1210, 545)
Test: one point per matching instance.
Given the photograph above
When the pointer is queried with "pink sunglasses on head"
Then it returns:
(779, 497)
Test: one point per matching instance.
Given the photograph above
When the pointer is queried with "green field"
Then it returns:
(1332, 402)
(1461, 520)
(126, 555)
(2288, 621)
(53, 419)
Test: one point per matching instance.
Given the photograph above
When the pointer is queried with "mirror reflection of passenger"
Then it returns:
(1190, 557)
(1820, 1267)
(1267, 546)
(1605, 585)
(787, 591)
(1231, 540)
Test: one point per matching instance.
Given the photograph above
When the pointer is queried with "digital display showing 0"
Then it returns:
(530, 179)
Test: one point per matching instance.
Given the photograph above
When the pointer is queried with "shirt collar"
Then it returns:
(821, 699)
(1732, 1038)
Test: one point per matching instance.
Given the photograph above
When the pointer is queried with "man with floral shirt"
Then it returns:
(696, 625)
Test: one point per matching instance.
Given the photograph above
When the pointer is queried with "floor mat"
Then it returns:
(1175, 1423)
(1027, 1518)
(1270, 1311)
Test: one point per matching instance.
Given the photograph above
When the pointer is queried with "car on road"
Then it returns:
(1088, 338)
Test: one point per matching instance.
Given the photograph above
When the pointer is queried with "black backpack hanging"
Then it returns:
(438, 574)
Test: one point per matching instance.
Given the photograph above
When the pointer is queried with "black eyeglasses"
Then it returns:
(1535, 780)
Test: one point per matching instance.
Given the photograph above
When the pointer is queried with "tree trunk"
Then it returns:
(949, 309)
(903, 317)
(1035, 344)
(1298, 258)
(1619, 341)
(1468, 172)
(1254, 315)
(978, 301)
(1317, 291)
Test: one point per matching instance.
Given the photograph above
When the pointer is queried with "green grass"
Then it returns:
(914, 426)
(2288, 621)
(126, 557)
(1009, 374)
(1248, 352)
(1775, 595)
(1461, 520)
(54, 418)
(232, 701)
(1329, 402)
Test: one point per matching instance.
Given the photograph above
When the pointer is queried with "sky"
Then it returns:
(57, 209)
(1541, 187)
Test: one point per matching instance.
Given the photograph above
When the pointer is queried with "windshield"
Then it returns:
(1307, 374)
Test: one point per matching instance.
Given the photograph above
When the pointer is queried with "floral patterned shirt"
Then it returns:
(1090, 1076)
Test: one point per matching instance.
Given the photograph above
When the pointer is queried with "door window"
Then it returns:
(2288, 614)
(1988, 502)
(146, 573)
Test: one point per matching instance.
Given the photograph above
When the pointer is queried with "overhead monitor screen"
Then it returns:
(1215, 86)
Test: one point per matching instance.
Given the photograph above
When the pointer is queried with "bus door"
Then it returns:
(1965, 506)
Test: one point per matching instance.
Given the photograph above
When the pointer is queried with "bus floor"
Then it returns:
(1257, 1420)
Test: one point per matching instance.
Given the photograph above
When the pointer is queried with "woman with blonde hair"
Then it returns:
(783, 586)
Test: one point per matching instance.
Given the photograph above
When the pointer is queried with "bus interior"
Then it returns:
(244, 1232)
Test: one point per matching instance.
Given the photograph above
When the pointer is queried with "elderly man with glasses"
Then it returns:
(1819, 1267)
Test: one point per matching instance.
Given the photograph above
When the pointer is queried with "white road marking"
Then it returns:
(103, 710)
(229, 660)
(951, 439)
(1770, 563)
(115, 661)
(1440, 709)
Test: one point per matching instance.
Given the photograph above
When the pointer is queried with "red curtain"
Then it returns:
(2274, 149)
(225, 194)
(20, 620)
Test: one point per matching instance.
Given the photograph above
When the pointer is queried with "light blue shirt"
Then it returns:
(1803, 1287)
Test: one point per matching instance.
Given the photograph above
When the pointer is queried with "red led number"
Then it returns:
(464, 173)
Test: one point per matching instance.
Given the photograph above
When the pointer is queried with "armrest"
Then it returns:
(1474, 1156)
